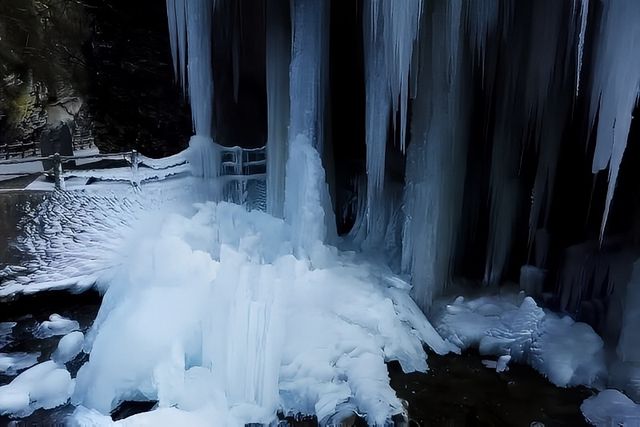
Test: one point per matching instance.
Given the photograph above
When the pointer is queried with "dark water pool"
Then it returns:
(461, 391)
(28, 312)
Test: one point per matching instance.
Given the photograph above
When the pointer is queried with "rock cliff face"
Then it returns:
(131, 91)
(102, 67)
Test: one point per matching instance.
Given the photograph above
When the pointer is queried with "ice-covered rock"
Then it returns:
(46, 385)
(56, 325)
(69, 347)
(566, 352)
(611, 408)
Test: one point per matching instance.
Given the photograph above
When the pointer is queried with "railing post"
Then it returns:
(134, 168)
(57, 172)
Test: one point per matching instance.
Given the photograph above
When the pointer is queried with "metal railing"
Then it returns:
(22, 150)
(57, 160)
(238, 165)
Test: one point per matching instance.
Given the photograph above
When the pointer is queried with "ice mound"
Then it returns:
(11, 363)
(212, 314)
(568, 353)
(46, 385)
(56, 325)
(611, 408)
(69, 347)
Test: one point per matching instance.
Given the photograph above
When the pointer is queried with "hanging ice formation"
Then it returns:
(583, 13)
(190, 24)
(615, 88)
(476, 100)
(390, 32)
(436, 157)
(307, 204)
(278, 54)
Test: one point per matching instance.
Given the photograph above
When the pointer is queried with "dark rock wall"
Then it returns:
(112, 55)
(131, 88)
(41, 63)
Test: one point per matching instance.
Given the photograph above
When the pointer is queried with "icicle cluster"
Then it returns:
(436, 159)
(309, 70)
(277, 69)
(390, 32)
(615, 88)
(190, 25)
(488, 90)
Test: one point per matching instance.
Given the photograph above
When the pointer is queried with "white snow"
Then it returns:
(43, 386)
(514, 328)
(56, 325)
(69, 347)
(11, 363)
(162, 417)
(73, 238)
(10, 171)
(611, 408)
(19, 169)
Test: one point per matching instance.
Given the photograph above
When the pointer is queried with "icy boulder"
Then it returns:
(56, 325)
(611, 408)
(568, 353)
(44, 386)
(69, 347)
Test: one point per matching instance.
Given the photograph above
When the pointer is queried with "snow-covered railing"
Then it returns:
(21, 149)
(57, 167)
(238, 166)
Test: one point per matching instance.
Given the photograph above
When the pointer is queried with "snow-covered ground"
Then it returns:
(12, 171)
(78, 179)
